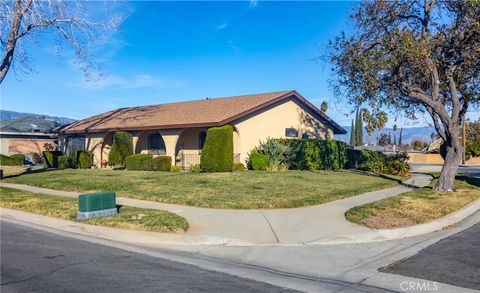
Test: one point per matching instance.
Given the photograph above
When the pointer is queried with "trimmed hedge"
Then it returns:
(315, 154)
(19, 159)
(122, 148)
(161, 163)
(138, 162)
(378, 162)
(146, 162)
(258, 162)
(217, 152)
(51, 158)
(7, 161)
(238, 167)
(64, 162)
(84, 159)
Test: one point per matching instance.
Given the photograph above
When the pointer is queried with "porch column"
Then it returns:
(170, 138)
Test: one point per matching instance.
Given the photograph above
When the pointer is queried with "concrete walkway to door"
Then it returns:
(268, 227)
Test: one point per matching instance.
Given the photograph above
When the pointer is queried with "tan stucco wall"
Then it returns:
(272, 123)
(434, 159)
(4, 142)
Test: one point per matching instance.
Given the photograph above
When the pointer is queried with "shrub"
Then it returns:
(19, 159)
(74, 158)
(316, 154)
(64, 162)
(37, 158)
(122, 148)
(195, 168)
(238, 167)
(259, 162)
(473, 149)
(217, 152)
(7, 161)
(51, 158)
(139, 162)
(84, 159)
(276, 151)
(161, 163)
(378, 162)
(174, 168)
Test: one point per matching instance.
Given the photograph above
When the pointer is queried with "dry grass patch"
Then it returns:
(415, 207)
(66, 208)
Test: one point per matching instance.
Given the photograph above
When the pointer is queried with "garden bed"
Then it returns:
(415, 207)
(66, 208)
(233, 190)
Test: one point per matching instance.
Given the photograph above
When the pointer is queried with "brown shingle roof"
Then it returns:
(199, 113)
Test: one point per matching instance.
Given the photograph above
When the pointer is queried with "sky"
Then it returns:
(177, 51)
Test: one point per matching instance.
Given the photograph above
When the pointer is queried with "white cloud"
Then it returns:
(221, 26)
(131, 82)
(253, 3)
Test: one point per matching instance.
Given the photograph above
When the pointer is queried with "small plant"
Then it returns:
(258, 162)
(7, 161)
(51, 158)
(19, 159)
(276, 152)
(84, 159)
(174, 168)
(64, 162)
(238, 167)
(195, 168)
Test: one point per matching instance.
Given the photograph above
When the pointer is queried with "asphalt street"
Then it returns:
(454, 260)
(34, 260)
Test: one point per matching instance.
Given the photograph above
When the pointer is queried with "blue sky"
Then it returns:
(176, 51)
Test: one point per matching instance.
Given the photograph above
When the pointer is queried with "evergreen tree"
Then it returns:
(389, 138)
(400, 137)
(352, 135)
(359, 129)
(394, 134)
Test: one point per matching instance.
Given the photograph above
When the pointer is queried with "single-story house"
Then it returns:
(27, 143)
(179, 129)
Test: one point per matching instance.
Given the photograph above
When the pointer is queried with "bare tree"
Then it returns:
(79, 24)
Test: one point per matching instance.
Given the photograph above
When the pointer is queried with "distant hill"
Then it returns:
(12, 121)
(408, 135)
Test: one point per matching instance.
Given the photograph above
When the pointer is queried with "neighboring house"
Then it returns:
(179, 129)
(26, 143)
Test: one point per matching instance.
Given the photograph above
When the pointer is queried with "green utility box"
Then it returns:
(98, 204)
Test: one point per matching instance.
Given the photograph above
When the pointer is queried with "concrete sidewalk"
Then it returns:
(277, 226)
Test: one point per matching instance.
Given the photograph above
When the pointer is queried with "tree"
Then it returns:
(352, 135)
(383, 139)
(374, 122)
(122, 147)
(432, 137)
(400, 142)
(358, 129)
(389, 140)
(417, 57)
(324, 106)
(79, 24)
(394, 134)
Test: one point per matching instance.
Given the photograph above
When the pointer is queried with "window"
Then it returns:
(201, 139)
(75, 144)
(291, 132)
(156, 145)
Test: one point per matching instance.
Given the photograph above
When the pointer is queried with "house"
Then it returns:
(27, 143)
(179, 129)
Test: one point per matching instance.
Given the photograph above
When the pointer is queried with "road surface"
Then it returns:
(34, 260)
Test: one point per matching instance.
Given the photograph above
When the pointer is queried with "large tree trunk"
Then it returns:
(446, 181)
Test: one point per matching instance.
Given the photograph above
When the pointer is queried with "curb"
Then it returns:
(136, 237)
(445, 222)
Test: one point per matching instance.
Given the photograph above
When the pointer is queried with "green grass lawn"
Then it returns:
(415, 207)
(66, 208)
(236, 190)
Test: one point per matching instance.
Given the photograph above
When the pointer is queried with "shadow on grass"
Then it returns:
(118, 206)
(30, 171)
(470, 180)
(383, 176)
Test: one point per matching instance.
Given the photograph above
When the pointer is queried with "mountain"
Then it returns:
(409, 135)
(10, 115)
(11, 121)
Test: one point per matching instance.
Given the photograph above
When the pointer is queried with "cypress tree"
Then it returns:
(400, 137)
(389, 138)
(359, 129)
(352, 135)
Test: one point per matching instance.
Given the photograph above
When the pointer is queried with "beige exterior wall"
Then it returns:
(4, 142)
(434, 159)
(272, 123)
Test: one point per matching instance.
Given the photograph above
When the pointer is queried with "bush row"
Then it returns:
(13, 160)
(378, 162)
(305, 154)
(146, 162)
(76, 159)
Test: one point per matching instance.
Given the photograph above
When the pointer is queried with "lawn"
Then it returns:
(236, 190)
(66, 208)
(17, 170)
(415, 207)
